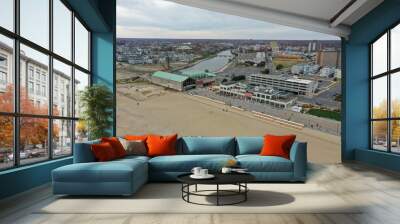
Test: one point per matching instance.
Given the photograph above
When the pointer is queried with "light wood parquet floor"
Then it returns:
(378, 189)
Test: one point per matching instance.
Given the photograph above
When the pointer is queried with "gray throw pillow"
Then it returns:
(134, 147)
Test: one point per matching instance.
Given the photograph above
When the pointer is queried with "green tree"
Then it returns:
(97, 103)
(279, 66)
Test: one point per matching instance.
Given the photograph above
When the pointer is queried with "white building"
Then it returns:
(285, 83)
(256, 57)
(338, 73)
(268, 96)
(327, 72)
(306, 69)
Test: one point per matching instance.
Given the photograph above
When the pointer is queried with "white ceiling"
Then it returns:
(313, 15)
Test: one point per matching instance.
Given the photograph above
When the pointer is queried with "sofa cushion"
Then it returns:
(249, 145)
(103, 152)
(134, 147)
(83, 152)
(257, 163)
(116, 145)
(112, 171)
(206, 145)
(185, 163)
(277, 145)
(161, 145)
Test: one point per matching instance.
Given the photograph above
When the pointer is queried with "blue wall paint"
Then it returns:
(24, 178)
(103, 64)
(380, 159)
(89, 11)
(100, 16)
(356, 87)
(103, 53)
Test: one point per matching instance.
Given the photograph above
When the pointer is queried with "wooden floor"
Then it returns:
(379, 189)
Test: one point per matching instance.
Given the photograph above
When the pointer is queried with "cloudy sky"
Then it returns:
(163, 19)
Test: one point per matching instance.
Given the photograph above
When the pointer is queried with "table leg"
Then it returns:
(245, 193)
(217, 194)
(195, 188)
(188, 190)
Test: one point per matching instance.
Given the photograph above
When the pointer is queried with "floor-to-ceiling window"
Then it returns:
(44, 64)
(385, 91)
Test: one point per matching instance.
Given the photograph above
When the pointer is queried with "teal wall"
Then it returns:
(24, 178)
(99, 16)
(356, 126)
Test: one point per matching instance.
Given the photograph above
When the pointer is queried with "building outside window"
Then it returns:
(385, 92)
(34, 75)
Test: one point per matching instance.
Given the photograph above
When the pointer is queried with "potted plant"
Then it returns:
(96, 103)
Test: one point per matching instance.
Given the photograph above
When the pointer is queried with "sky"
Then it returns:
(163, 19)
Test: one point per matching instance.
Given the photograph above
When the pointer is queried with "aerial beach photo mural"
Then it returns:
(201, 73)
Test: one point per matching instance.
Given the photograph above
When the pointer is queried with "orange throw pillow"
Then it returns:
(116, 145)
(161, 145)
(135, 137)
(277, 145)
(103, 152)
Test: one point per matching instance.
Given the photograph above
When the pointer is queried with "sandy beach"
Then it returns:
(169, 112)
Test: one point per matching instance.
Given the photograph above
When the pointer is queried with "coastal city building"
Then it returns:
(173, 81)
(306, 69)
(198, 74)
(284, 83)
(255, 57)
(327, 72)
(268, 96)
(329, 57)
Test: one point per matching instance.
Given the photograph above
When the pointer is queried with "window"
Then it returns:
(44, 91)
(35, 21)
(62, 29)
(81, 45)
(3, 61)
(6, 142)
(3, 78)
(6, 74)
(45, 131)
(33, 140)
(37, 89)
(62, 137)
(40, 62)
(81, 82)
(61, 75)
(385, 94)
(37, 74)
(30, 88)
(30, 72)
(7, 14)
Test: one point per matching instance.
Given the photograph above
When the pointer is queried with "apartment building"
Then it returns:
(284, 83)
(268, 96)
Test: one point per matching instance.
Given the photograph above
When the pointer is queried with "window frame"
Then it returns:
(388, 74)
(16, 114)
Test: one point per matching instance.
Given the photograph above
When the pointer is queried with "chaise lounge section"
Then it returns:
(125, 176)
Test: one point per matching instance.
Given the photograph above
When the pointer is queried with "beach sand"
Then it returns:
(172, 112)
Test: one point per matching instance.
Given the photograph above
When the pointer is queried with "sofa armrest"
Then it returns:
(298, 155)
(83, 152)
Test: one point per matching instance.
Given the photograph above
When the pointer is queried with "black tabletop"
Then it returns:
(220, 178)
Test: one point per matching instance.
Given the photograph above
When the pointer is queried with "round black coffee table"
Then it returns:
(238, 179)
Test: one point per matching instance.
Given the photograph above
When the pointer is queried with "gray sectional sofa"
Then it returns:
(125, 176)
